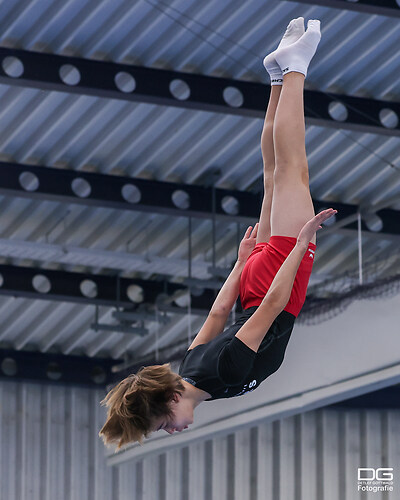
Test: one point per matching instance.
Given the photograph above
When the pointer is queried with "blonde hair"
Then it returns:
(136, 401)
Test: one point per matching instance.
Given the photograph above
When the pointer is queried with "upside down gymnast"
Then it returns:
(272, 272)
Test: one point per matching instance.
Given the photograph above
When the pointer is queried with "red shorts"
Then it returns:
(262, 266)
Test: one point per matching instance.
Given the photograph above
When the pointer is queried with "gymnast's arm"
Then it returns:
(228, 294)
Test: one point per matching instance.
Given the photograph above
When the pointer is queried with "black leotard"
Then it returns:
(226, 367)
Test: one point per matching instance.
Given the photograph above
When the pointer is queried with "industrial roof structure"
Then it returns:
(131, 162)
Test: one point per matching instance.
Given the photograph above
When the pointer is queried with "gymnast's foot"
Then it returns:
(298, 55)
(293, 32)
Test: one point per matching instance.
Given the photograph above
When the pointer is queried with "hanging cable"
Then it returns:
(190, 247)
(360, 249)
(157, 333)
(238, 240)
(189, 331)
(118, 291)
(214, 222)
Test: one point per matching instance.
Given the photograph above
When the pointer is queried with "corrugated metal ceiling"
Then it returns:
(357, 56)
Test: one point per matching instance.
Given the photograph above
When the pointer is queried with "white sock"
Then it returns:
(298, 55)
(294, 31)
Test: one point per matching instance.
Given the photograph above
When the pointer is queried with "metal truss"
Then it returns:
(124, 193)
(109, 259)
(388, 8)
(127, 193)
(113, 291)
(56, 368)
(185, 90)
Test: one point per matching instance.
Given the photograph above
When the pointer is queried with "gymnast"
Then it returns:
(272, 272)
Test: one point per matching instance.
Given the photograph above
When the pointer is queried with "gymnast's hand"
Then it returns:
(248, 243)
(312, 226)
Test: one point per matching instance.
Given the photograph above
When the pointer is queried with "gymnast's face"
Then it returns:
(182, 416)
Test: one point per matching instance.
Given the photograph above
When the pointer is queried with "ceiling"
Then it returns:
(71, 130)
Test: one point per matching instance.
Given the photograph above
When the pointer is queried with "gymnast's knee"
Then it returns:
(291, 171)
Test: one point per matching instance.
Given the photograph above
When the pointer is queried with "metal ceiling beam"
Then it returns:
(56, 368)
(110, 191)
(123, 261)
(184, 90)
(388, 8)
(29, 282)
(99, 258)
(123, 193)
(388, 398)
(369, 237)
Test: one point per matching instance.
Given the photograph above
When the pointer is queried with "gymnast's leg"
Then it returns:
(291, 180)
(267, 149)
(293, 32)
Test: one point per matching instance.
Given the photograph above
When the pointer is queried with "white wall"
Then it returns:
(50, 451)
(49, 444)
